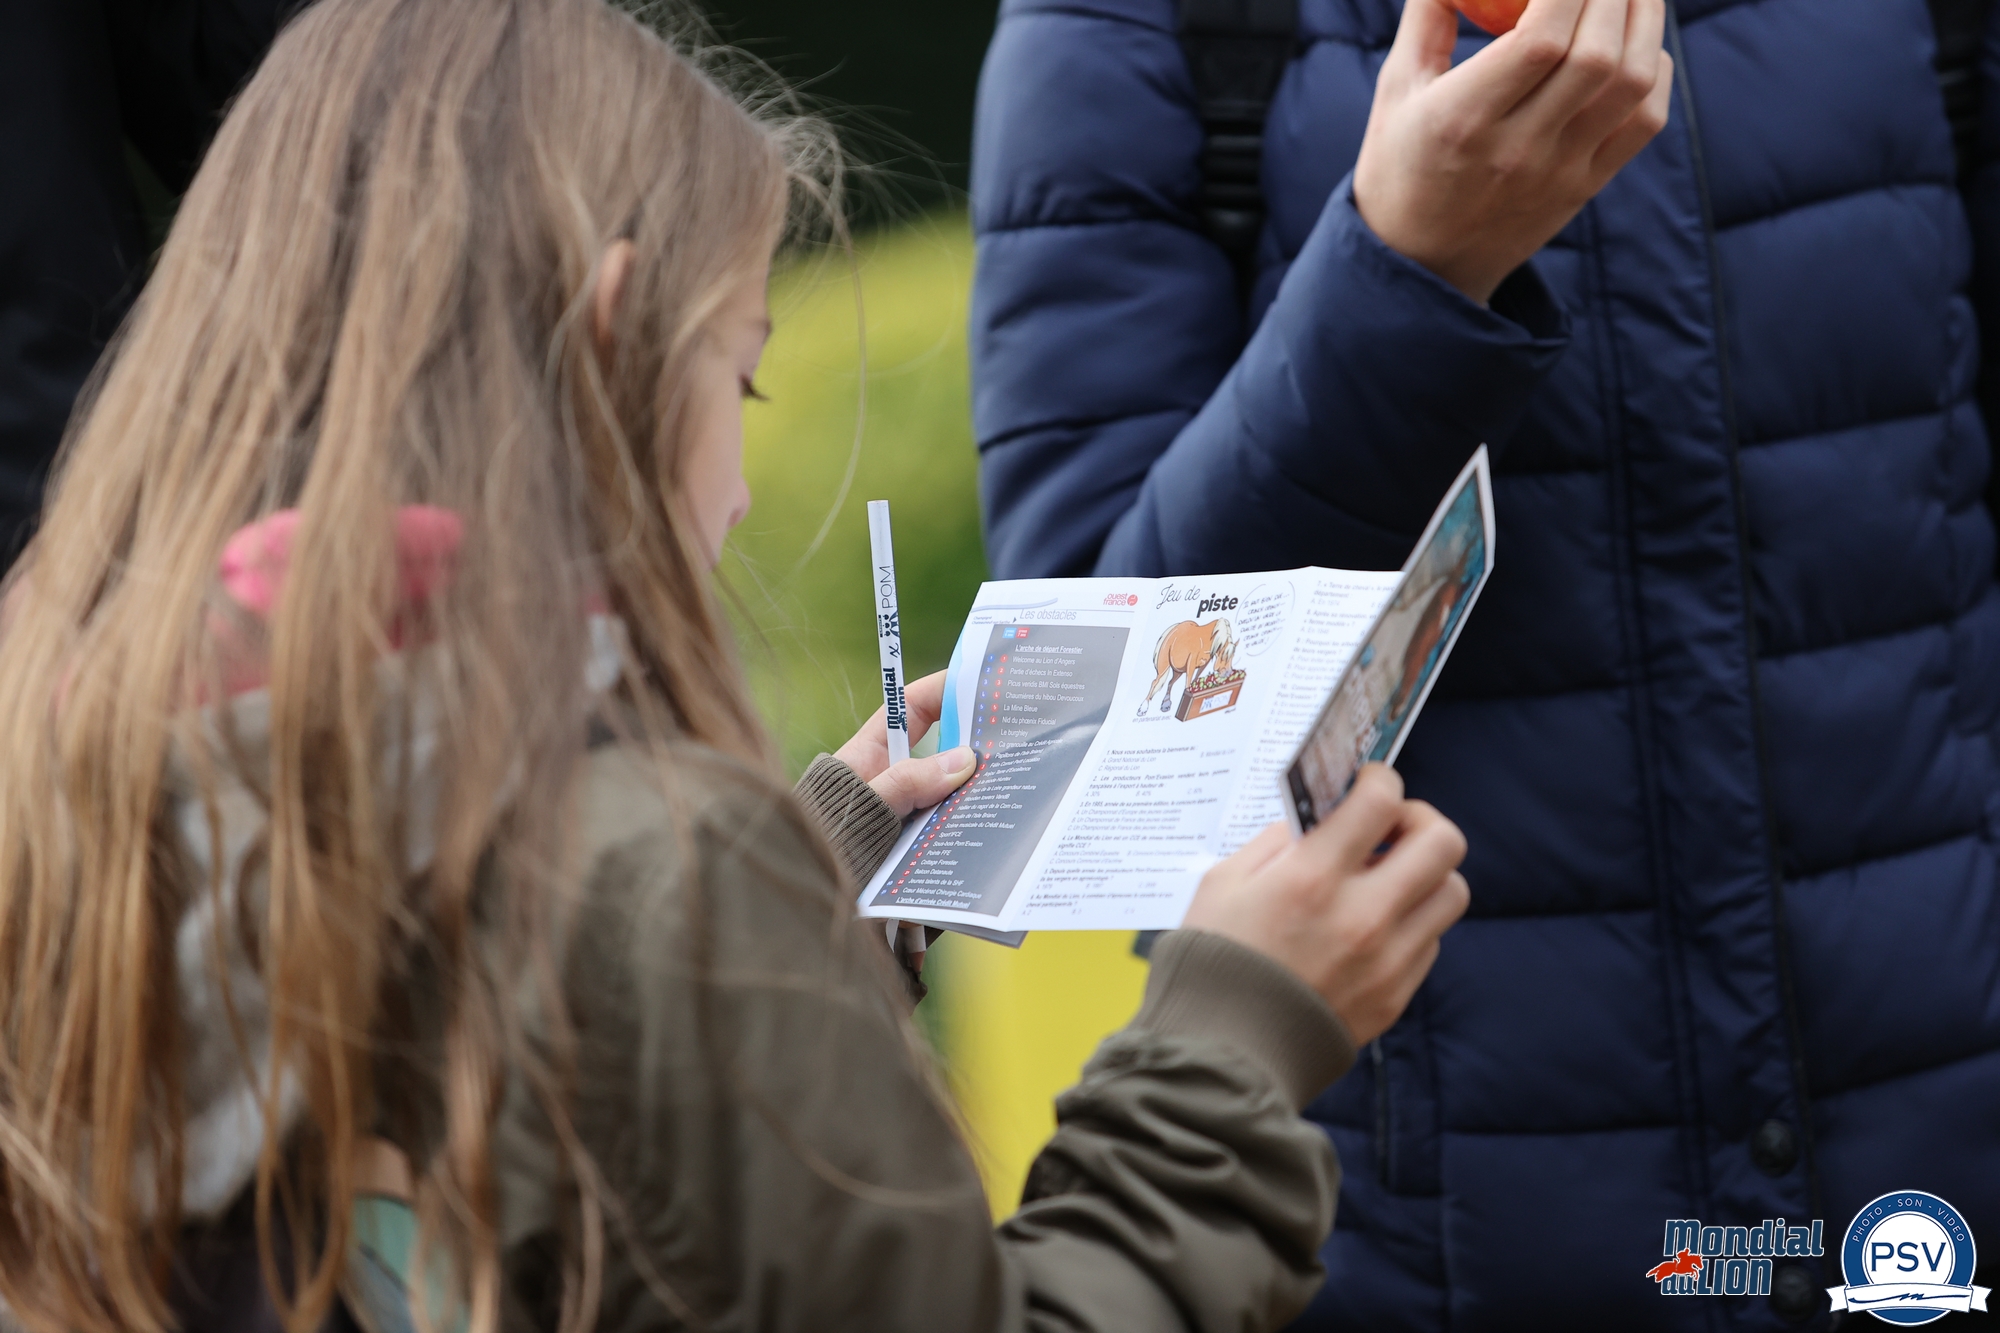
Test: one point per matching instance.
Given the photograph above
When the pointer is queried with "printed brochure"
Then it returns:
(1132, 732)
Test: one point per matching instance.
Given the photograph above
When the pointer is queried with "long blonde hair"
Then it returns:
(375, 295)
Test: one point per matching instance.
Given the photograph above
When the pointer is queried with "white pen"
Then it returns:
(905, 940)
(888, 629)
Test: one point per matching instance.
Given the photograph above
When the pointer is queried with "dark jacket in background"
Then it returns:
(78, 80)
(1722, 731)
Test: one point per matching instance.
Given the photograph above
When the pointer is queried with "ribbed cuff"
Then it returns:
(855, 819)
(1208, 987)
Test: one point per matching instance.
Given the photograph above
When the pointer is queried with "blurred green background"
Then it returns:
(896, 79)
(866, 373)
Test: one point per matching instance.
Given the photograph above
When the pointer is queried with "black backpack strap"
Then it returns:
(1237, 51)
(1961, 33)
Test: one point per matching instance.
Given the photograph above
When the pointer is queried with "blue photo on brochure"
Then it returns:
(1372, 708)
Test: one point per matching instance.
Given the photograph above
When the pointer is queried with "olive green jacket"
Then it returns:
(775, 1137)
(773, 1147)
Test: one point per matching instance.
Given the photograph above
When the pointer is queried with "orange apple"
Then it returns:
(1496, 16)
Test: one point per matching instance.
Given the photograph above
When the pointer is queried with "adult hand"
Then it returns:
(1355, 907)
(1469, 171)
(914, 784)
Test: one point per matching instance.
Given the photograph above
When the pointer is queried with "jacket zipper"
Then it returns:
(1774, 868)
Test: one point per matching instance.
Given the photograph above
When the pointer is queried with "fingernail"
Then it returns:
(954, 762)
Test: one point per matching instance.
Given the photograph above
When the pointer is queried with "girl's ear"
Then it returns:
(612, 271)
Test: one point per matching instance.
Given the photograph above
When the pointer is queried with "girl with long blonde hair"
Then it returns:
(384, 819)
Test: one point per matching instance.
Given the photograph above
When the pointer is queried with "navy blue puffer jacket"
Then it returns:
(1722, 731)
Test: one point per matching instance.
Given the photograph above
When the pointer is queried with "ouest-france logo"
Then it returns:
(1908, 1258)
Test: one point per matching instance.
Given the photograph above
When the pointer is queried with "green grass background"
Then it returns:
(805, 616)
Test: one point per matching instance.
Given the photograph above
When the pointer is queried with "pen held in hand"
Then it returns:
(888, 628)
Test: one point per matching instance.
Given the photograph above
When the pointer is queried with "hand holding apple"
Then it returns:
(1471, 170)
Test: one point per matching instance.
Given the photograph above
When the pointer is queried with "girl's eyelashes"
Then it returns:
(751, 391)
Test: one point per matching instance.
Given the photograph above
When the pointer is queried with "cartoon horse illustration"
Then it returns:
(1685, 1262)
(1188, 649)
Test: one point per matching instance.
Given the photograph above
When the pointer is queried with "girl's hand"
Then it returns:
(1470, 171)
(914, 784)
(1355, 908)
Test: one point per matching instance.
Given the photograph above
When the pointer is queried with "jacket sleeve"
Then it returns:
(781, 1157)
(1182, 1188)
(1125, 425)
(858, 824)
